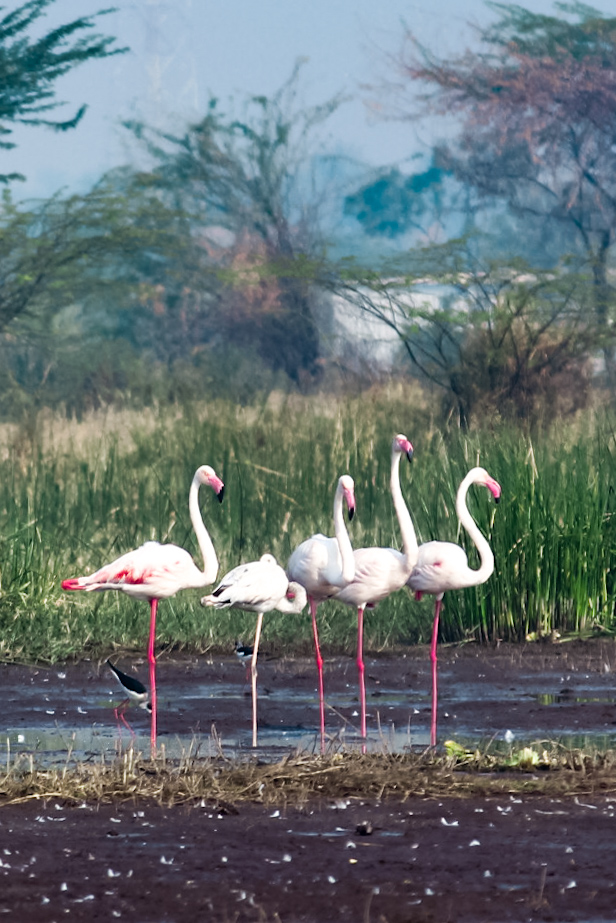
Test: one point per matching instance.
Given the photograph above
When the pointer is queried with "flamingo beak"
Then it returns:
(221, 493)
(351, 512)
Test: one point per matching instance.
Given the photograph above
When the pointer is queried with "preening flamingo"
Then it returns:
(135, 692)
(155, 571)
(323, 566)
(443, 566)
(260, 586)
(381, 571)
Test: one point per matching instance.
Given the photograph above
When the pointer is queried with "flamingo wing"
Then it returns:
(441, 566)
(152, 571)
(257, 586)
(317, 565)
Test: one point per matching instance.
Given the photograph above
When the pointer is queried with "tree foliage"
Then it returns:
(508, 341)
(537, 109)
(247, 185)
(29, 68)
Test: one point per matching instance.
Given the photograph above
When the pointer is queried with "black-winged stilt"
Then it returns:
(135, 692)
(244, 652)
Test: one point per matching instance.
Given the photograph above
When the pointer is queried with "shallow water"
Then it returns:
(486, 698)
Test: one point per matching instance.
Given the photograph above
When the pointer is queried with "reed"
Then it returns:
(72, 498)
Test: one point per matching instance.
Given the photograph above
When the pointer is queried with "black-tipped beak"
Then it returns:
(497, 499)
(351, 512)
(409, 455)
(221, 494)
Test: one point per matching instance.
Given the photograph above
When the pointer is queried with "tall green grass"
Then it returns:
(68, 507)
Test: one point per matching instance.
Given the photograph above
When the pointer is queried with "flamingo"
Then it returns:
(135, 692)
(260, 586)
(443, 566)
(323, 566)
(381, 571)
(156, 571)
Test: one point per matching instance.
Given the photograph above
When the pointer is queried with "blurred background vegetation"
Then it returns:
(248, 266)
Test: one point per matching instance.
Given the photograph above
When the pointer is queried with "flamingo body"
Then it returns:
(442, 566)
(152, 571)
(259, 586)
(156, 571)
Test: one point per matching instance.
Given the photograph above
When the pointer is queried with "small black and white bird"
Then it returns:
(244, 652)
(135, 692)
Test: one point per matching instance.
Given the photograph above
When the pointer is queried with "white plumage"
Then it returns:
(443, 566)
(260, 586)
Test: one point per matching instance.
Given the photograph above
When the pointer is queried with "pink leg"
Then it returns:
(121, 716)
(152, 662)
(253, 671)
(319, 660)
(437, 611)
(119, 711)
(361, 668)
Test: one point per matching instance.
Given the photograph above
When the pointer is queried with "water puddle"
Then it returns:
(63, 716)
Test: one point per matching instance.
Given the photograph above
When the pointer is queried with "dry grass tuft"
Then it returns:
(300, 779)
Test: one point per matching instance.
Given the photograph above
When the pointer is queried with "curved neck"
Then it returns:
(210, 561)
(477, 536)
(342, 537)
(407, 530)
(291, 606)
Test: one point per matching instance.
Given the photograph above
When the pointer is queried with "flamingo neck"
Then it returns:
(407, 530)
(479, 540)
(206, 547)
(342, 537)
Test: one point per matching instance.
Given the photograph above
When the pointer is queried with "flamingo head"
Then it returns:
(297, 594)
(268, 559)
(482, 477)
(401, 444)
(206, 475)
(347, 485)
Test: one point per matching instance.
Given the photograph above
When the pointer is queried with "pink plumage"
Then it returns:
(156, 571)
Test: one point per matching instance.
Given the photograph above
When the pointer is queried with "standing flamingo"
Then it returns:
(155, 571)
(381, 571)
(323, 565)
(260, 587)
(443, 566)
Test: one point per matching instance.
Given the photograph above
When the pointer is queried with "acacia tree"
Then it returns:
(247, 184)
(29, 68)
(537, 110)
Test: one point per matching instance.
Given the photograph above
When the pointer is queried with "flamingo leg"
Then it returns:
(152, 662)
(437, 612)
(253, 671)
(361, 668)
(319, 660)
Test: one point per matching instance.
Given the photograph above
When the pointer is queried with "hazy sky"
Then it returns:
(183, 51)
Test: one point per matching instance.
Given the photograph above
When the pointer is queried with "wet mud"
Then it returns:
(510, 857)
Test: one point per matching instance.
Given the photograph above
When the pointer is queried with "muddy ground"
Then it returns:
(490, 859)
